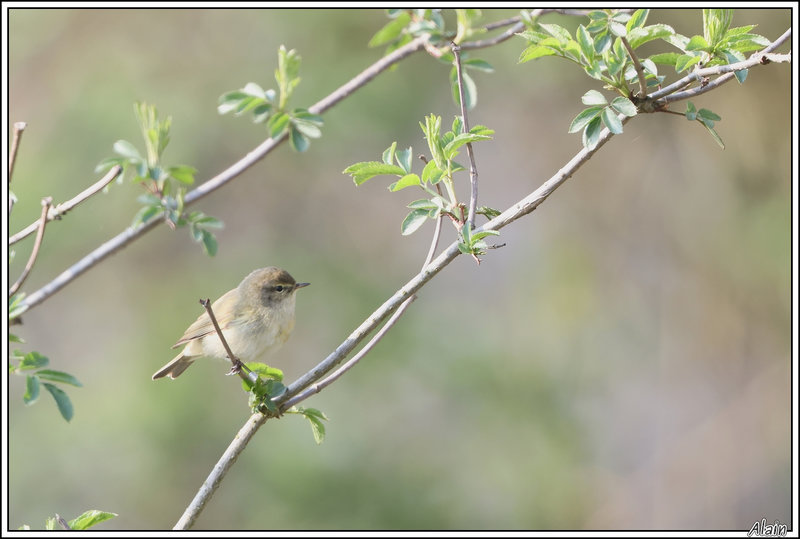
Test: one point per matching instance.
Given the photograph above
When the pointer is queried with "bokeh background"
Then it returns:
(622, 363)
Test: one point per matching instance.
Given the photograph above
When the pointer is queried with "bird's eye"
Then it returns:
(279, 288)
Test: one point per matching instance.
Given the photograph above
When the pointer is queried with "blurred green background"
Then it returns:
(623, 363)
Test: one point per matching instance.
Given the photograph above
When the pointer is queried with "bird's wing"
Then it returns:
(223, 312)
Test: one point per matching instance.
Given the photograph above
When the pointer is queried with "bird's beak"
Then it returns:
(300, 285)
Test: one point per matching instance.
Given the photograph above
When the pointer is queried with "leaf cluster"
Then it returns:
(165, 185)
(31, 365)
(605, 47)
(271, 106)
(438, 170)
(82, 522)
(267, 386)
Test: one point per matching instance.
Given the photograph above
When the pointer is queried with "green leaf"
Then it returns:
(583, 118)
(58, 376)
(209, 242)
(732, 57)
(128, 151)
(423, 204)
(533, 52)
(617, 28)
(308, 129)
(182, 173)
(476, 236)
(31, 389)
(252, 89)
(145, 214)
(637, 20)
(715, 25)
(611, 120)
(406, 181)
(593, 97)
(691, 111)
(230, 101)
(33, 360)
(277, 124)
(639, 36)
(89, 519)
(586, 43)
(624, 106)
(315, 418)
(262, 369)
(558, 32)
(478, 64)
(366, 170)
(15, 305)
(490, 213)
(706, 114)
(450, 150)
(388, 154)
(15, 338)
(415, 219)
(697, 43)
(602, 41)
(685, 61)
(431, 173)
(62, 400)
(390, 31)
(298, 141)
(404, 159)
(470, 89)
(591, 134)
(432, 130)
(714, 134)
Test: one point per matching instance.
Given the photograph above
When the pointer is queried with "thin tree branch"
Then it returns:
(755, 59)
(236, 365)
(728, 75)
(60, 209)
(473, 170)
(19, 128)
(224, 464)
(639, 69)
(130, 234)
(46, 202)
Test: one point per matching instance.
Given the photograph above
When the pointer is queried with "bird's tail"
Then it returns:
(174, 368)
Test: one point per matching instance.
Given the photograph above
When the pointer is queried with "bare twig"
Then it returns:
(46, 202)
(60, 209)
(638, 66)
(19, 128)
(236, 365)
(473, 170)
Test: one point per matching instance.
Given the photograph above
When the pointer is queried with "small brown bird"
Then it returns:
(256, 318)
